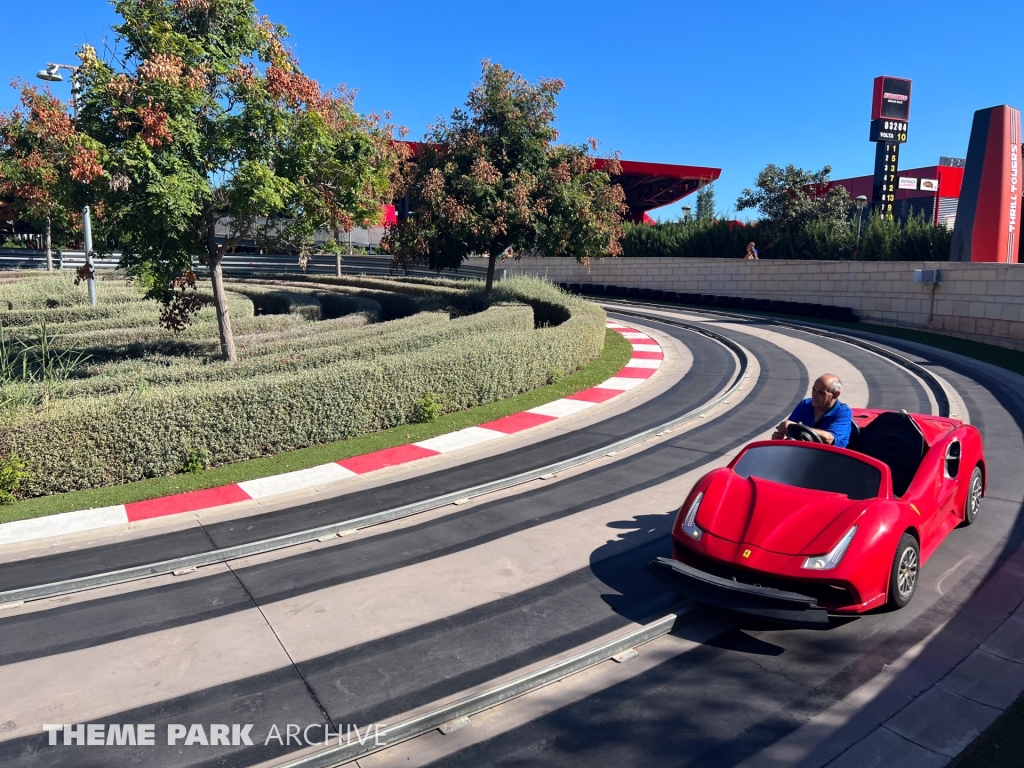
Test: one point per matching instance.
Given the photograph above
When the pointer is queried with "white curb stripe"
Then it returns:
(620, 382)
(68, 522)
(610, 324)
(294, 481)
(634, 335)
(560, 408)
(638, 362)
(646, 347)
(464, 438)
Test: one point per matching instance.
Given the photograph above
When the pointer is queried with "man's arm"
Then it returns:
(825, 435)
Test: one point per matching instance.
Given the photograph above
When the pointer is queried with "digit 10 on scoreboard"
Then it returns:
(887, 162)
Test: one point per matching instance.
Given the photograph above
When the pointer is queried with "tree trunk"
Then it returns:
(220, 300)
(49, 248)
(491, 259)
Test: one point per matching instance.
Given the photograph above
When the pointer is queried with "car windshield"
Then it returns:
(815, 470)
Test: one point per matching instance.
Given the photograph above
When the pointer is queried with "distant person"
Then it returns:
(831, 419)
(751, 254)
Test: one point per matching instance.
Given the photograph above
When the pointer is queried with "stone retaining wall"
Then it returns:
(982, 302)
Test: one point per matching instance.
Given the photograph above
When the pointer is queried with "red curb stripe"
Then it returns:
(636, 373)
(626, 330)
(185, 502)
(517, 422)
(595, 395)
(641, 355)
(641, 341)
(389, 457)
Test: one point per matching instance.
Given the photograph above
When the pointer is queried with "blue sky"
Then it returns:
(731, 85)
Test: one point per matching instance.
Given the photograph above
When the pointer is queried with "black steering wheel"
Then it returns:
(804, 433)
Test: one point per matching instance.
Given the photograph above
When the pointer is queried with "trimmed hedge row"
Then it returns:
(271, 302)
(94, 441)
(394, 305)
(414, 335)
(32, 290)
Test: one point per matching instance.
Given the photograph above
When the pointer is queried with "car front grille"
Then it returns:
(829, 595)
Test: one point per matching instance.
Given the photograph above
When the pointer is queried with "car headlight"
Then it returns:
(689, 522)
(831, 560)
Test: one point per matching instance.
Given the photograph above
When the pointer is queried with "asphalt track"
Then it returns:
(381, 626)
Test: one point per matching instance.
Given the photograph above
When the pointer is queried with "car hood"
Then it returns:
(777, 518)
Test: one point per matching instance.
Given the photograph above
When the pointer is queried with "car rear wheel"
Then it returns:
(973, 503)
(903, 578)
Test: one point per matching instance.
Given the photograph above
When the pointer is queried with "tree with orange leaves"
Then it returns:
(47, 167)
(491, 181)
(213, 136)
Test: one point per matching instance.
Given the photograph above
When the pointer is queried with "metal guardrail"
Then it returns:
(249, 263)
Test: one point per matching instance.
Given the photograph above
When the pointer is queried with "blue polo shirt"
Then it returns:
(838, 420)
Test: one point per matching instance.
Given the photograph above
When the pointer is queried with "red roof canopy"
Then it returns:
(652, 185)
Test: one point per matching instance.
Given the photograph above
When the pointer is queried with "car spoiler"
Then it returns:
(772, 605)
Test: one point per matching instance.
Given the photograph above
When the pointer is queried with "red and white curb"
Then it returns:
(646, 359)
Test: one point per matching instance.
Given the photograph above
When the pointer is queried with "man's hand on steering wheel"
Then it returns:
(797, 431)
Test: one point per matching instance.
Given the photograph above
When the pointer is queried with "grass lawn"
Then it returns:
(615, 354)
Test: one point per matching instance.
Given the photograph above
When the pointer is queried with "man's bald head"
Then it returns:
(831, 383)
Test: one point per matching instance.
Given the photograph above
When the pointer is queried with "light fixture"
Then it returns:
(861, 201)
(689, 525)
(831, 560)
(51, 74)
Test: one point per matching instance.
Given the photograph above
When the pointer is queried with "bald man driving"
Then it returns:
(822, 412)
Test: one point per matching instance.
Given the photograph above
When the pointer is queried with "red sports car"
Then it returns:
(794, 530)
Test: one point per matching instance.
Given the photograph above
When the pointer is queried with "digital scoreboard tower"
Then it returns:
(890, 114)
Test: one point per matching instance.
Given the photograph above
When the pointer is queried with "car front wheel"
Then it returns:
(905, 565)
(973, 503)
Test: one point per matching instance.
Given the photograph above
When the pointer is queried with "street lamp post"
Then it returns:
(52, 74)
(686, 213)
(861, 201)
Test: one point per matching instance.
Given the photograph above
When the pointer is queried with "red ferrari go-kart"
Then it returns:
(794, 530)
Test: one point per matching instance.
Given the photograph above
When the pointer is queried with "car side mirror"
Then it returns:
(953, 459)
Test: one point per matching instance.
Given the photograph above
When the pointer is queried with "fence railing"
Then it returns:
(244, 263)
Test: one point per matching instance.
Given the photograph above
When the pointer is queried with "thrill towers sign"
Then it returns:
(890, 115)
(988, 215)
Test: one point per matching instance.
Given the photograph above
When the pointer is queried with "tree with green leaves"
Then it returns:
(212, 135)
(46, 166)
(491, 180)
(706, 203)
(790, 199)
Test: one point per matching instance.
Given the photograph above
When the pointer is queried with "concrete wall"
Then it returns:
(982, 302)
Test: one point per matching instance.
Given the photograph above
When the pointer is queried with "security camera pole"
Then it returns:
(52, 74)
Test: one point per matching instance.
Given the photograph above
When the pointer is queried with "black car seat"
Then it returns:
(895, 440)
(854, 443)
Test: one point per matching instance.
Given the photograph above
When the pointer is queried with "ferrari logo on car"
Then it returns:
(746, 553)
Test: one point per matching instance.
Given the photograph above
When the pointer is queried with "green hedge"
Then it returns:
(425, 331)
(268, 301)
(915, 239)
(93, 441)
(394, 304)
